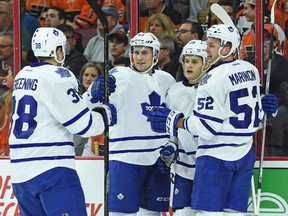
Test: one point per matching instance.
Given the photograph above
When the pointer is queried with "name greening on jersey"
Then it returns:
(243, 76)
(25, 84)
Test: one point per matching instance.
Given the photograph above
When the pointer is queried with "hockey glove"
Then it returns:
(164, 120)
(97, 90)
(168, 155)
(108, 113)
(270, 105)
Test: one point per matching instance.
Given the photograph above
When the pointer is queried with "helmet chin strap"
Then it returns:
(61, 62)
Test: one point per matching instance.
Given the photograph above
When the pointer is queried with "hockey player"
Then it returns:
(135, 179)
(181, 96)
(227, 112)
(47, 110)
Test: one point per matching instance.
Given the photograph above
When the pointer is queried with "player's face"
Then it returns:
(213, 45)
(89, 75)
(142, 57)
(193, 68)
(156, 27)
(116, 47)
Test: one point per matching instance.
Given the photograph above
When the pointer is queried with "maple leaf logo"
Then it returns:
(154, 100)
(205, 79)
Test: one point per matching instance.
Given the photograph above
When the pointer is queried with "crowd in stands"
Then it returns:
(174, 22)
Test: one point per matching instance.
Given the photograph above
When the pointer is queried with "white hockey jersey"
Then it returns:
(228, 111)
(132, 139)
(47, 110)
(181, 97)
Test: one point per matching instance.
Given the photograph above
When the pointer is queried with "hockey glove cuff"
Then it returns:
(163, 120)
(108, 113)
(168, 155)
(270, 105)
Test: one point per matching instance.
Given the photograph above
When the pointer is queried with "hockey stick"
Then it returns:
(265, 116)
(97, 9)
(221, 14)
(225, 18)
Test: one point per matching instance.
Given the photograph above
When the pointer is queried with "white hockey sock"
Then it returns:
(208, 213)
(184, 212)
(145, 212)
(233, 214)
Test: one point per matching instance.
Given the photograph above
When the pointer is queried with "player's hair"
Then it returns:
(122, 60)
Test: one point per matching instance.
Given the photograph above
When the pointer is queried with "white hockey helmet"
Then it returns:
(146, 40)
(226, 33)
(194, 48)
(45, 41)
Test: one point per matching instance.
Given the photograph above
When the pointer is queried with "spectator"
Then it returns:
(159, 24)
(9, 83)
(74, 59)
(247, 49)
(279, 66)
(182, 6)
(196, 7)
(6, 50)
(4, 125)
(79, 14)
(158, 6)
(165, 55)
(94, 50)
(118, 46)
(55, 16)
(201, 9)
(286, 18)
(279, 126)
(89, 72)
(38, 8)
(6, 24)
(28, 22)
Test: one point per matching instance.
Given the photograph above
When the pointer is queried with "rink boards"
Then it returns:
(274, 196)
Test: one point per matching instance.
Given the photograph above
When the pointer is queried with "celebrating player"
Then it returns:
(227, 112)
(181, 96)
(135, 179)
(47, 110)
